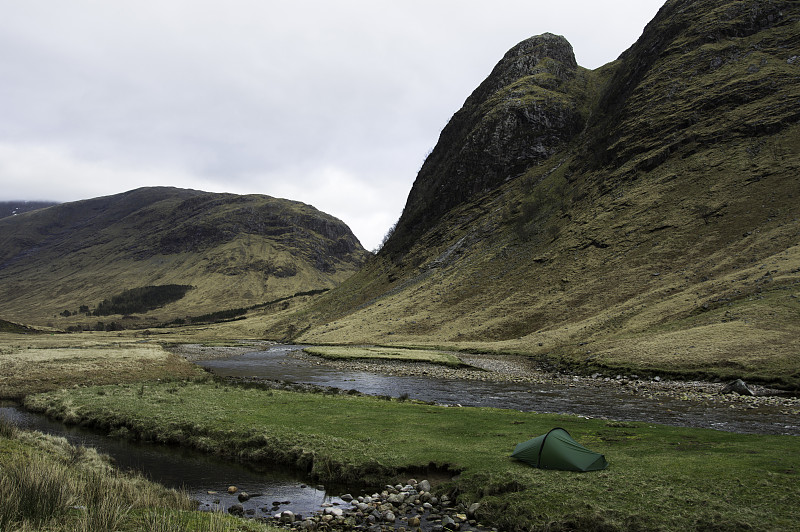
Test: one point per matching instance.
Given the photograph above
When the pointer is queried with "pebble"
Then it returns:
(502, 368)
(397, 507)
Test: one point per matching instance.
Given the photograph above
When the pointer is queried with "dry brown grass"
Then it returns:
(37, 363)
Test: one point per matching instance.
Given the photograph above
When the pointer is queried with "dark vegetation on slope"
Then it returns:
(140, 300)
(16, 328)
(529, 107)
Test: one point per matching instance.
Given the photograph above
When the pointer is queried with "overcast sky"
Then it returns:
(333, 103)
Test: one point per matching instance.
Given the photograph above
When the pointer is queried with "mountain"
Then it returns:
(12, 208)
(643, 216)
(228, 251)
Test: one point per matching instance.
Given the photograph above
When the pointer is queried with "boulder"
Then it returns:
(738, 387)
(243, 496)
(424, 486)
(449, 523)
(232, 489)
(236, 509)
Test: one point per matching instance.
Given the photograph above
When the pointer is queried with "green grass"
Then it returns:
(48, 484)
(659, 477)
(386, 353)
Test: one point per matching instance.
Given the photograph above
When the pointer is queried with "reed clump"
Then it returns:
(48, 484)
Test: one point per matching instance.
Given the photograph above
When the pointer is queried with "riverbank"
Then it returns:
(48, 484)
(516, 369)
(660, 477)
(519, 369)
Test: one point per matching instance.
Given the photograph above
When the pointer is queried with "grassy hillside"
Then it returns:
(663, 236)
(236, 251)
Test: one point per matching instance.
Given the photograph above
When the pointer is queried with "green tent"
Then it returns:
(557, 450)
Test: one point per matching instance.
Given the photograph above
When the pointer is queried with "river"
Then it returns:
(206, 478)
(203, 477)
(610, 402)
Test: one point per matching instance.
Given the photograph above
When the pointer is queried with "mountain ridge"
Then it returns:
(13, 208)
(640, 240)
(236, 249)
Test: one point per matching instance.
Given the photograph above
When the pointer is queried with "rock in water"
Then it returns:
(236, 509)
(738, 387)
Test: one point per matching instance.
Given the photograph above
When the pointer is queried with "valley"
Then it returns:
(597, 250)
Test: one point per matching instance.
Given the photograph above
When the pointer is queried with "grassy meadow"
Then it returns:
(660, 477)
(385, 353)
(35, 363)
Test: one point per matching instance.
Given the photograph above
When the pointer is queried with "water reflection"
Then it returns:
(205, 478)
(607, 402)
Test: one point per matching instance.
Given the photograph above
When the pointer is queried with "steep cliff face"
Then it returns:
(644, 214)
(531, 105)
(701, 72)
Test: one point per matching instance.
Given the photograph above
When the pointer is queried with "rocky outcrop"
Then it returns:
(701, 72)
(528, 108)
(738, 386)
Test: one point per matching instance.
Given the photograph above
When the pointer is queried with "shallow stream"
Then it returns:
(204, 477)
(579, 399)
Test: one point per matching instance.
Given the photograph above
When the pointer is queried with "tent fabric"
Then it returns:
(557, 450)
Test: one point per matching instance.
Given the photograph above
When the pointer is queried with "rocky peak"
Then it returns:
(546, 53)
(525, 111)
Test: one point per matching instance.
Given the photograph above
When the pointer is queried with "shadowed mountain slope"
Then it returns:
(642, 215)
(234, 250)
